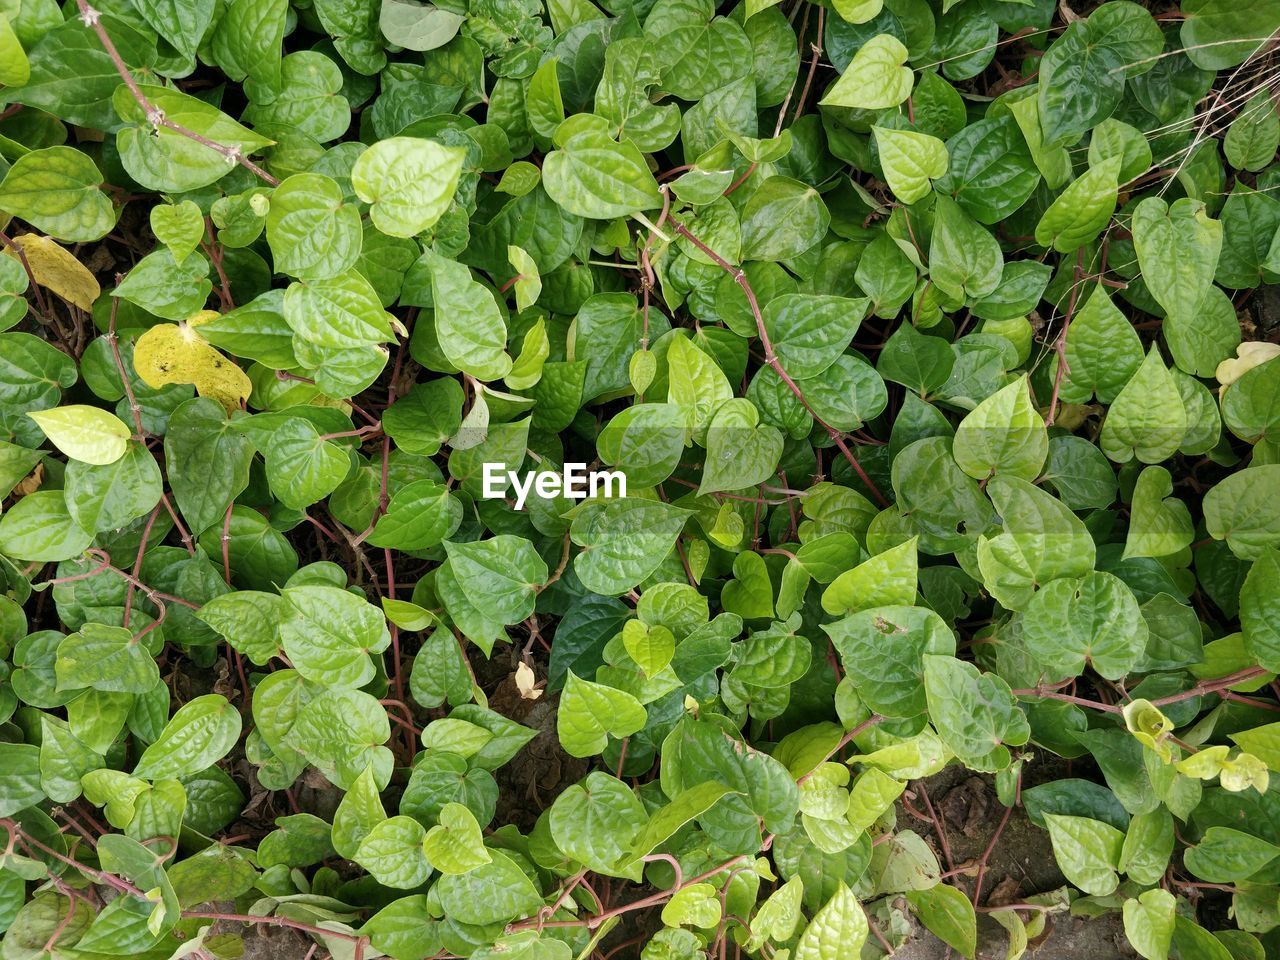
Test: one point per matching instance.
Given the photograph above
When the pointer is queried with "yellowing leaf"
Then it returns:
(84, 433)
(1249, 354)
(55, 268)
(176, 353)
(526, 682)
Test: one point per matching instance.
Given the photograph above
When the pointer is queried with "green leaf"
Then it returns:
(1254, 135)
(1081, 83)
(1178, 247)
(1249, 406)
(949, 915)
(1148, 844)
(455, 845)
(15, 68)
(505, 572)
(884, 651)
(300, 94)
(105, 658)
(469, 326)
(248, 620)
(696, 384)
(207, 462)
(301, 466)
(645, 441)
(590, 712)
(1103, 351)
(695, 905)
(1088, 851)
(162, 286)
(782, 219)
(329, 633)
(409, 182)
(64, 759)
(182, 24)
(57, 190)
(496, 892)
(20, 787)
(591, 175)
(886, 579)
(992, 171)
(417, 26)
(40, 528)
(964, 259)
(439, 672)
(809, 333)
(162, 159)
(528, 287)
(338, 313)
(179, 226)
(1159, 524)
(837, 928)
(392, 852)
(247, 39)
(776, 657)
(910, 160)
(1218, 34)
(1082, 210)
(973, 712)
(1147, 419)
(875, 79)
(1042, 541)
(1259, 607)
(1243, 511)
(596, 822)
(1148, 923)
(1224, 855)
(201, 733)
(623, 541)
(689, 804)
(741, 452)
(313, 234)
(420, 515)
(88, 434)
(1003, 436)
(423, 420)
(777, 918)
(1092, 620)
(359, 811)
(340, 732)
(650, 647)
(1115, 138)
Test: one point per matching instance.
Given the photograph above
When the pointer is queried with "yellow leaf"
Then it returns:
(1249, 354)
(525, 682)
(55, 268)
(176, 353)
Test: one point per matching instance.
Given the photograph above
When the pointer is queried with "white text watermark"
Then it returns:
(574, 481)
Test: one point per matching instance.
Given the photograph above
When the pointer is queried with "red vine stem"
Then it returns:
(740, 278)
(653, 900)
(93, 19)
(1060, 348)
(1200, 689)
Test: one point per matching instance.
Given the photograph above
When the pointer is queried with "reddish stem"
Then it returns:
(740, 278)
(93, 19)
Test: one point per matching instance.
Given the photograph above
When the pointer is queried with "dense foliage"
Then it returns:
(933, 340)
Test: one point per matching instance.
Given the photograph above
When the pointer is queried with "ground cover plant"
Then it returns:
(934, 340)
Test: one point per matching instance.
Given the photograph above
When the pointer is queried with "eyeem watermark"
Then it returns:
(575, 481)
